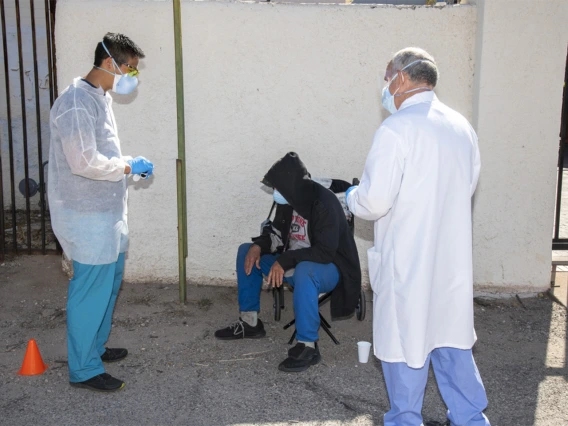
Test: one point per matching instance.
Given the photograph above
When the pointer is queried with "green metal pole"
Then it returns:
(181, 232)
(180, 163)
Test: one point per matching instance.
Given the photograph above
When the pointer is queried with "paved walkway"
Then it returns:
(177, 373)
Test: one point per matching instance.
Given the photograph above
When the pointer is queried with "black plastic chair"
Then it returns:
(279, 305)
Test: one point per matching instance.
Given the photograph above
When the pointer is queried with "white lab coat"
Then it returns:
(87, 187)
(419, 177)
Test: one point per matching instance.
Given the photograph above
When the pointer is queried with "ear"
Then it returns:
(108, 63)
(404, 81)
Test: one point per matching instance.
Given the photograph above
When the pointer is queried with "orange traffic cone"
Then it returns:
(33, 364)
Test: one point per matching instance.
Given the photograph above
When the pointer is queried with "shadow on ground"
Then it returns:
(177, 373)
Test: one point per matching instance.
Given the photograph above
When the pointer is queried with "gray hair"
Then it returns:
(424, 71)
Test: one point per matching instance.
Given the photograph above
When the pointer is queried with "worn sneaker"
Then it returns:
(114, 354)
(300, 358)
(101, 383)
(241, 330)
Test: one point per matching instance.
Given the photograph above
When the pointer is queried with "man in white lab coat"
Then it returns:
(419, 177)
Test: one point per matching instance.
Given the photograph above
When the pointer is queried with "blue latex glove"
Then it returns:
(351, 188)
(141, 165)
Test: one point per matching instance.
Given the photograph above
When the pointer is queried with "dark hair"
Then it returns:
(120, 47)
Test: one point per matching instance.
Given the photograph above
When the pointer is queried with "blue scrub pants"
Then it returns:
(458, 380)
(90, 304)
(309, 280)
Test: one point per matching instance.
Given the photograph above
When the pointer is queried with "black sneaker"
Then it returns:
(300, 358)
(101, 383)
(241, 330)
(114, 354)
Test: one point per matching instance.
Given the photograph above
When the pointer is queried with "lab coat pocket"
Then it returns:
(374, 263)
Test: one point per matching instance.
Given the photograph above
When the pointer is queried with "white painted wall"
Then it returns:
(29, 98)
(146, 119)
(263, 79)
(520, 63)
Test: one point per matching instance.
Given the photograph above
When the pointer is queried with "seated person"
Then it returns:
(308, 245)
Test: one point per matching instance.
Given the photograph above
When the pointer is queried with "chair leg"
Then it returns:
(329, 333)
(324, 321)
(290, 324)
(323, 324)
(292, 338)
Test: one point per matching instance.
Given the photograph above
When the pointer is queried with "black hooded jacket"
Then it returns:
(330, 236)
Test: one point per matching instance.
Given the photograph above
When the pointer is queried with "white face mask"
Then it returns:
(388, 99)
(115, 83)
(123, 84)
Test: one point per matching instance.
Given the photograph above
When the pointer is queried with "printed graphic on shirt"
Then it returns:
(299, 237)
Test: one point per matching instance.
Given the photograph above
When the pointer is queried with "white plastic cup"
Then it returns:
(364, 350)
(136, 178)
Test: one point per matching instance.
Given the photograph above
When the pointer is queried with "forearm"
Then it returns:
(365, 207)
(102, 169)
(76, 129)
(382, 176)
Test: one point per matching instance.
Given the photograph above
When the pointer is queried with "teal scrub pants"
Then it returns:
(90, 304)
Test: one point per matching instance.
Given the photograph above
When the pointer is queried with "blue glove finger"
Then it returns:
(150, 168)
(149, 172)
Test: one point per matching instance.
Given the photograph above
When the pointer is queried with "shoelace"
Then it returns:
(239, 328)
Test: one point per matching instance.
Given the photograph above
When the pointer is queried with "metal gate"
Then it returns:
(30, 88)
(560, 234)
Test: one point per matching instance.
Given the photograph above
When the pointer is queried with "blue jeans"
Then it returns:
(90, 304)
(309, 280)
(458, 381)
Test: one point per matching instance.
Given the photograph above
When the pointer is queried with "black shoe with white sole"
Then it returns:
(241, 330)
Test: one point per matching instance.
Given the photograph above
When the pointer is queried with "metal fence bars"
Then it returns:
(24, 228)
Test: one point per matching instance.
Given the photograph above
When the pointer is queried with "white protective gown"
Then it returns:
(419, 177)
(87, 187)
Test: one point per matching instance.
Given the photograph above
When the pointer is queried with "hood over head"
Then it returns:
(290, 177)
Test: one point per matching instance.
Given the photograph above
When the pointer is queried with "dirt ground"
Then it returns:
(177, 373)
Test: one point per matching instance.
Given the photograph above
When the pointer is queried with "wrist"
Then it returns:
(127, 169)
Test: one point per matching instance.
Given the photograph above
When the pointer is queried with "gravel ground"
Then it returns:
(177, 373)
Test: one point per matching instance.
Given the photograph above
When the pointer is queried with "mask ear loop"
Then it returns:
(113, 61)
(396, 91)
(402, 77)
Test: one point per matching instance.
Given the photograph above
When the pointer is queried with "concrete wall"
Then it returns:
(260, 80)
(146, 120)
(520, 63)
(29, 97)
(263, 79)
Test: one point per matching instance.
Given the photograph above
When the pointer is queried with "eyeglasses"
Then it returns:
(132, 72)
